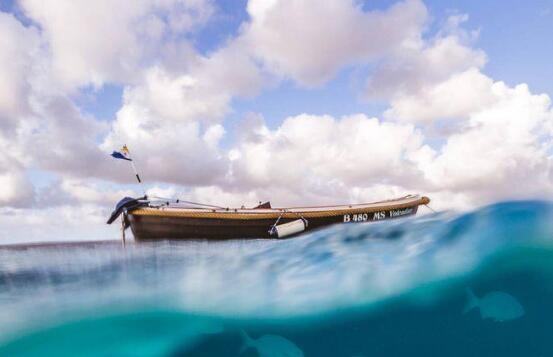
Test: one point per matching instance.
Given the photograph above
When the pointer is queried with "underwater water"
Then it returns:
(473, 284)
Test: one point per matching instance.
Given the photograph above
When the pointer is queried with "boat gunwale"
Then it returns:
(256, 214)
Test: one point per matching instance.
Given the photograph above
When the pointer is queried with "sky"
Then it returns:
(298, 102)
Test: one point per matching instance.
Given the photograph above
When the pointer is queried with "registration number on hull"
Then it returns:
(376, 216)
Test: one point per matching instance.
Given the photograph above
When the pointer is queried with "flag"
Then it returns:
(122, 154)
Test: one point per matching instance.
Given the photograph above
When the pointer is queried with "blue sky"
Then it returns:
(185, 72)
(515, 35)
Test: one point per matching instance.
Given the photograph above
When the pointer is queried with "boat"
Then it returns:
(155, 219)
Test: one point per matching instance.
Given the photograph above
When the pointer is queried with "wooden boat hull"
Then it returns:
(158, 223)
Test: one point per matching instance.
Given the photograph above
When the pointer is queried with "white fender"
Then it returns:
(287, 229)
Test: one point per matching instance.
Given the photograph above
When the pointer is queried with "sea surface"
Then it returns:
(472, 284)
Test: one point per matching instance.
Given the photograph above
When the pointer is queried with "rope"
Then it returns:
(177, 201)
(356, 204)
(273, 227)
(430, 208)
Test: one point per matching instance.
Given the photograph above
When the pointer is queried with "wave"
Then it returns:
(169, 298)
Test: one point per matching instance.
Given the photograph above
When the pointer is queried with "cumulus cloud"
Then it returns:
(177, 99)
(61, 139)
(91, 192)
(310, 40)
(15, 189)
(18, 45)
(62, 223)
(72, 44)
(173, 124)
(173, 119)
(170, 97)
(322, 157)
(415, 68)
(64, 210)
(94, 42)
(504, 152)
(182, 153)
(471, 89)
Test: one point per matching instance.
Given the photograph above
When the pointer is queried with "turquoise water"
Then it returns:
(397, 288)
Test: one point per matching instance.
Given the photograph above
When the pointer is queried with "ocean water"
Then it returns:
(473, 284)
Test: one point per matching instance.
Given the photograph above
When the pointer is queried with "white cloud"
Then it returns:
(173, 120)
(170, 124)
(63, 223)
(175, 102)
(110, 40)
(182, 98)
(15, 189)
(215, 195)
(500, 147)
(169, 97)
(504, 153)
(417, 65)
(311, 40)
(232, 70)
(320, 156)
(17, 47)
(168, 152)
(91, 193)
(471, 89)
(501, 150)
(61, 139)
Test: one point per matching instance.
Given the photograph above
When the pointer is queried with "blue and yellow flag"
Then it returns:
(122, 154)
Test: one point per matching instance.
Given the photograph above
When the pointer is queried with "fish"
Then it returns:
(271, 346)
(496, 305)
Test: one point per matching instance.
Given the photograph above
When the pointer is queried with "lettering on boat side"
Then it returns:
(364, 217)
(379, 215)
(376, 216)
(401, 212)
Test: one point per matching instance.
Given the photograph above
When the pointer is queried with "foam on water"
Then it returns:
(189, 298)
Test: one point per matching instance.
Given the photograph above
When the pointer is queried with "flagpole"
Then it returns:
(138, 177)
(136, 172)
